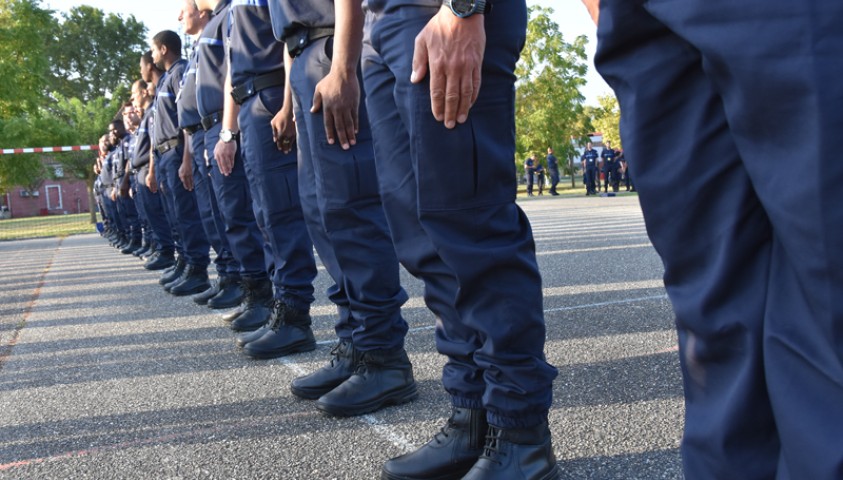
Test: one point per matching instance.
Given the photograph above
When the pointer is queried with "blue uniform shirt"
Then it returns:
(143, 144)
(253, 49)
(166, 111)
(590, 158)
(186, 97)
(287, 15)
(211, 59)
(552, 164)
(608, 156)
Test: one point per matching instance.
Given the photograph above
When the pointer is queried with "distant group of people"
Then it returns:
(296, 126)
(610, 164)
(535, 173)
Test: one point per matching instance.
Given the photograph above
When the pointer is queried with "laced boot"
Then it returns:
(172, 274)
(449, 455)
(133, 245)
(230, 294)
(257, 305)
(202, 297)
(381, 378)
(522, 453)
(322, 381)
(159, 261)
(194, 280)
(289, 332)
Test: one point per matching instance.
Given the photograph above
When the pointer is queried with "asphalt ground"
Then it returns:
(105, 376)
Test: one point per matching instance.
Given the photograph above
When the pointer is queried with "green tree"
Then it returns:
(606, 119)
(548, 99)
(96, 53)
(25, 33)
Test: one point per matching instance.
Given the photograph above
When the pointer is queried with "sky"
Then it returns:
(160, 15)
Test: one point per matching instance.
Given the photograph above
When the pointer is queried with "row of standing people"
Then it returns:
(326, 125)
(610, 163)
(535, 173)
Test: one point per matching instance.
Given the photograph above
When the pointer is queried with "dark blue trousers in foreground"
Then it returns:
(153, 205)
(739, 103)
(273, 178)
(455, 190)
(209, 213)
(184, 211)
(346, 220)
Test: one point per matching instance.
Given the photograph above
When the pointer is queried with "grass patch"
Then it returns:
(47, 226)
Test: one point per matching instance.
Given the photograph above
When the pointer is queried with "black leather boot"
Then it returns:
(194, 280)
(522, 453)
(131, 247)
(382, 377)
(257, 299)
(450, 454)
(289, 332)
(230, 294)
(160, 261)
(202, 298)
(247, 337)
(322, 381)
(176, 272)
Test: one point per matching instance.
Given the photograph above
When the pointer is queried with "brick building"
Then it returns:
(58, 195)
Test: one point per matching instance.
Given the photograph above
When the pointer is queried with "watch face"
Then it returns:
(462, 6)
(225, 136)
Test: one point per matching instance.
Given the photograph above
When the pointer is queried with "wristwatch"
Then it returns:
(227, 136)
(466, 8)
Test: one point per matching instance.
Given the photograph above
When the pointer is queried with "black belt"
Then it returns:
(253, 85)
(211, 120)
(192, 129)
(170, 144)
(302, 37)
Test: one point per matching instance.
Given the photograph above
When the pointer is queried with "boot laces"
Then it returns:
(493, 449)
(444, 433)
(279, 313)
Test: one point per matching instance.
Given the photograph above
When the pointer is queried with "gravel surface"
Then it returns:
(105, 376)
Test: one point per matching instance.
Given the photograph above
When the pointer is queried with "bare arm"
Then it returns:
(224, 152)
(593, 7)
(186, 168)
(283, 123)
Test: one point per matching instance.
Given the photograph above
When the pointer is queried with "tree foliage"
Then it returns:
(94, 53)
(25, 33)
(606, 119)
(548, 100)
(64, 78)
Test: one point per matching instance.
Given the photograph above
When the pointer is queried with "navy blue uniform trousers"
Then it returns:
(209, 213)
(345, 218)
(184, 213)
(234, 200)
(273, 178)
(473, 246)
(726, 99)
(154, 208)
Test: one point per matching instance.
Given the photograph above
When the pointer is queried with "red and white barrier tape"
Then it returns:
(76, 148)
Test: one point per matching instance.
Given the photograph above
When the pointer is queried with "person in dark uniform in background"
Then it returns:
(232, 191)
(469, 245)
(163, 254)
(131, 122)
(119, 194)
(255, 92)
(539, 173)
(627, 177)
(342, 204)
(553, 171)
(194, 172)
(530, 173)
(169, 148)
(721, 98)
(589, 167)
(610, 168)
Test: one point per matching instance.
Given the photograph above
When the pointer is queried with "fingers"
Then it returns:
(420, 59)
(343, 123)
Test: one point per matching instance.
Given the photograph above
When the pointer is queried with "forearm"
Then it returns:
(348, 36)
(230, 109)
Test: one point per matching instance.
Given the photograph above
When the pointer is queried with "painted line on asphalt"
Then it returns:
(6, 350)
(603, 304)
